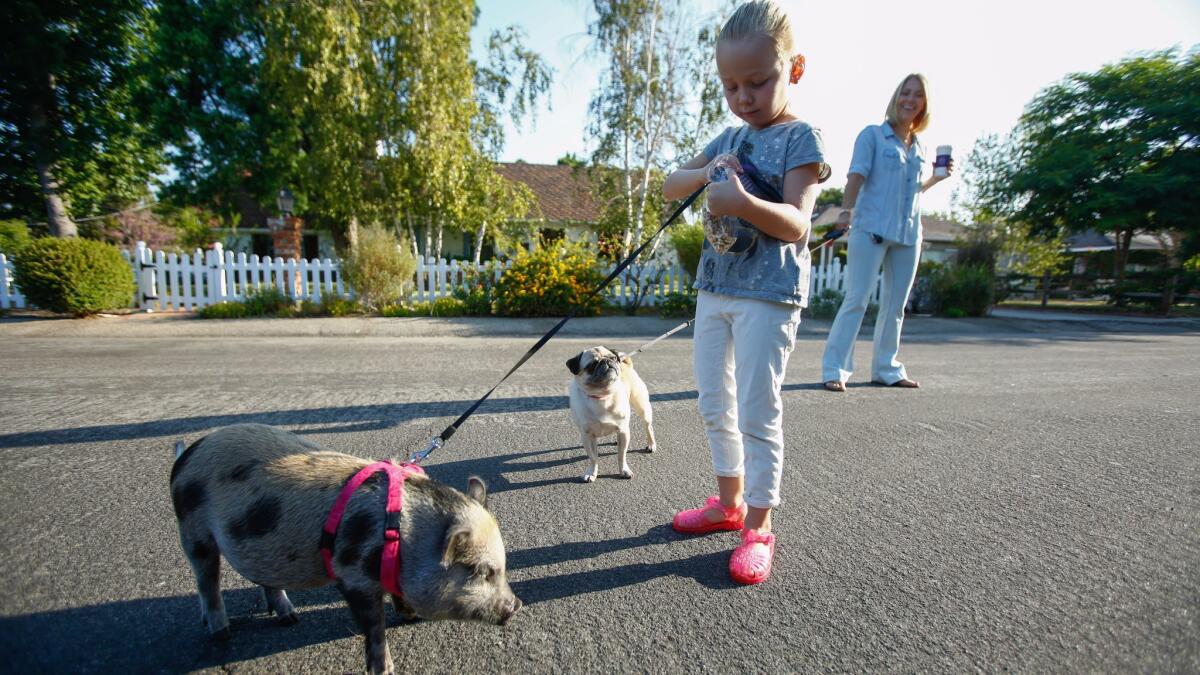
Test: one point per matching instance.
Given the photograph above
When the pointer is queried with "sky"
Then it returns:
(984, 60)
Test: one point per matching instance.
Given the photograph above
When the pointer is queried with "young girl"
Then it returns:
(753, 277)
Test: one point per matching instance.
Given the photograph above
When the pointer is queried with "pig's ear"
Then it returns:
(457, 540)
(477, 490)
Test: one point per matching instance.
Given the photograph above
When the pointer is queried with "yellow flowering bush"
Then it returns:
(551, 281)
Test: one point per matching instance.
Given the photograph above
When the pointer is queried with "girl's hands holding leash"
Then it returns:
(727, 197)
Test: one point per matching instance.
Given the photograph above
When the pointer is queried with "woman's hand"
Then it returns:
(935, 179)
(843, 221)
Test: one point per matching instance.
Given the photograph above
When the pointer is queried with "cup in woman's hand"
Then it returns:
(941, 164)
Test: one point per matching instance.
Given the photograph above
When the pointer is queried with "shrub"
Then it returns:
(967, 288)
(266, 301)
(688, 241)
(827, 303)
(551, 281)
(379, 268)
(14, 235)
(336, 306)
(75, 276)
(478, 291)
(678, 305)
(223, 310)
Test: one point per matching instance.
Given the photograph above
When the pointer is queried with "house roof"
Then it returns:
(1091, 240)
(563, 193)
(934, 229)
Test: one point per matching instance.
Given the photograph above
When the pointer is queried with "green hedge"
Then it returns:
(73, 276)
(551, 281)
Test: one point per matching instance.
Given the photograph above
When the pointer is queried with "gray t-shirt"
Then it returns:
(758, 265)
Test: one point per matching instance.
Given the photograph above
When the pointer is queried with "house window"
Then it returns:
(261, 245)
(312, 247)
(552, 234)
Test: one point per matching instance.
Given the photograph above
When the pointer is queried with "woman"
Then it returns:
(882, 201)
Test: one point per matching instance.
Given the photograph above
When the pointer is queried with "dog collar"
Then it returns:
(389, 567)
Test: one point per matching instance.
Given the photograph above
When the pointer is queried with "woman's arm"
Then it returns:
(854, 183)
(788, 221)
(686, 179)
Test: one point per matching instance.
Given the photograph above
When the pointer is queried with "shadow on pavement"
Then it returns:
(710, 569)
(165, 634)
(339, 420)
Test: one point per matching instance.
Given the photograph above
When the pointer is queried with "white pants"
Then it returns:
(865, 257)
(741, 348)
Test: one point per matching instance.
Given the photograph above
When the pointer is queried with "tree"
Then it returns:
(830, 197)
(1117, 151)
(657, 100)
(71, 138)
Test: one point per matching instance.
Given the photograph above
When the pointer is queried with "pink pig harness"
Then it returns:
(389, 568)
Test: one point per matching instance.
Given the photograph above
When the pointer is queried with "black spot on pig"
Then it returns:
(188, 497)
(356, 531)
(261, 518)
(241, 472)
(371, 563)
(202, 550)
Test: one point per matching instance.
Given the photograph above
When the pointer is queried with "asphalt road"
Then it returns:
(1033, 507)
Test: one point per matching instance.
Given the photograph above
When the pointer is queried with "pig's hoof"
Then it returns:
(289, 619)
(222, 635)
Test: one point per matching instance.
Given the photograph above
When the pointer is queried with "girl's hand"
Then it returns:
(722, 164)
(727, 197)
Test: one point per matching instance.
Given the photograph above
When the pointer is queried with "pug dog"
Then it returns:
(604, 388)
(258, 496)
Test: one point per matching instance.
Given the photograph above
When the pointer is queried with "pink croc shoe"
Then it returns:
(693, 521)
(751, 562)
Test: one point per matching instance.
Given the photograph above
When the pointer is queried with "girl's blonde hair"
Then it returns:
(761, 17)
(922, 119)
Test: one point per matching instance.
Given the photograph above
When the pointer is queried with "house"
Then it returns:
(252, 234)
(1083, 246)
(939, 235)
(564, 204)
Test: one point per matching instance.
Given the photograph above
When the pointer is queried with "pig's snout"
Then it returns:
(507, 609)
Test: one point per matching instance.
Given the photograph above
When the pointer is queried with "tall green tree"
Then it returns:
(657, 100)
(72, 142)
(229, 136)
(1117, 150)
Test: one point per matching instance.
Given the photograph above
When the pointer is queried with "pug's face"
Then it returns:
(596, 368)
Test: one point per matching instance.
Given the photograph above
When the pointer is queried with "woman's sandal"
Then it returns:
(751, 562)
(903, 384)
(693, 521)
(834, 385)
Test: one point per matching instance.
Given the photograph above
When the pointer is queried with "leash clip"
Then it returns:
(420, 455)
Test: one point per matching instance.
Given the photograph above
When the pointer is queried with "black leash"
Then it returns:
(449, 431)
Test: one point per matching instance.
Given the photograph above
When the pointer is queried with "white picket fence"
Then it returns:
(170, 281)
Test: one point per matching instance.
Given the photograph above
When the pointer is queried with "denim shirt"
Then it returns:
(761, 266)
(889, 203)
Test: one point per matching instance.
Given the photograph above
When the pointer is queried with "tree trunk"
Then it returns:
(352, 232)
(438, 245)
(412, 236)
(479, 242)
(1120, 257)
(43, 118)
(1045, 288)
(429, 240)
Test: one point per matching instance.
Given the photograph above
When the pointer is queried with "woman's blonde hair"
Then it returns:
(761, 17)
(922, 119)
